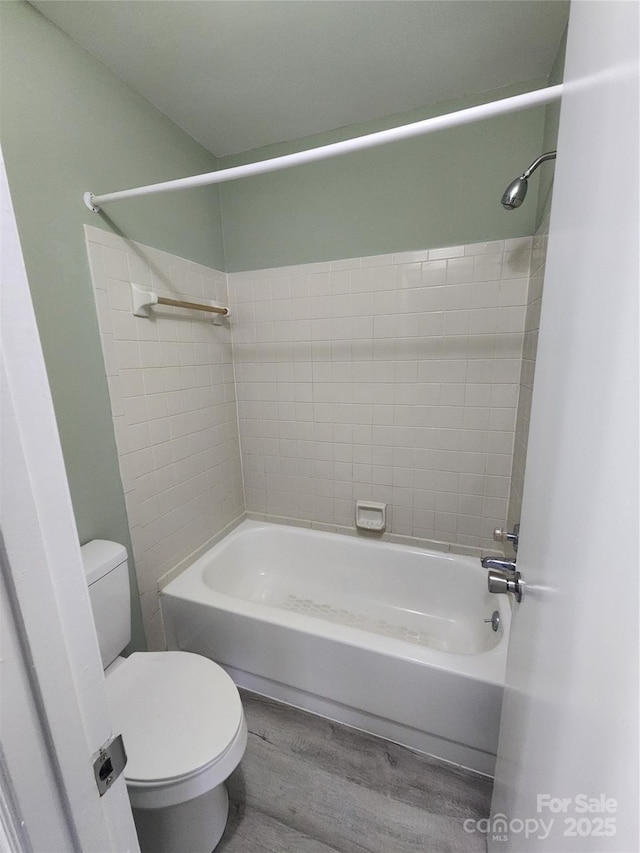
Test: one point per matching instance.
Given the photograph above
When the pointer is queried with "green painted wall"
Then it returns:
(70, 125)
(550, 137)
(438, 190)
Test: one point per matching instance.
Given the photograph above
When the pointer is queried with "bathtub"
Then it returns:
(387, 638)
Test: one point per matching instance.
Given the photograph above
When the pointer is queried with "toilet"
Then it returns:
(180, 717)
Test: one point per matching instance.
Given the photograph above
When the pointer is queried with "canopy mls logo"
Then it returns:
(580, 816)
(499, 827)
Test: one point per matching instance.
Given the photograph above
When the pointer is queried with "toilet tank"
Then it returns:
(105, 566)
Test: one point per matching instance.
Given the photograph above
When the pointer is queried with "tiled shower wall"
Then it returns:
(393, 378)
(529, 349)
(173, 401)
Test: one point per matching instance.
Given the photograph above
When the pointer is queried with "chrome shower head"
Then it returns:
(515, 193)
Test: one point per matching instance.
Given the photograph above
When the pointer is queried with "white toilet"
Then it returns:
(180, 717)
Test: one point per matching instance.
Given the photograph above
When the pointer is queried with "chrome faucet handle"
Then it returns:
(502, 581)
(502, 535)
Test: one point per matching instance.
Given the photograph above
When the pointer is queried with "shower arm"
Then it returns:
(550, 155)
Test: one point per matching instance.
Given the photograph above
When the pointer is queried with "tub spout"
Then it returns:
(494, 563)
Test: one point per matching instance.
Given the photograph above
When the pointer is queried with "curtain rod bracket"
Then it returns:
(88, 199)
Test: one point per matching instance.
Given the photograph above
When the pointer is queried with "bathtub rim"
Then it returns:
(487, 666)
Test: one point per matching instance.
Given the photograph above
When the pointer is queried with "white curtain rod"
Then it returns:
(336, 149)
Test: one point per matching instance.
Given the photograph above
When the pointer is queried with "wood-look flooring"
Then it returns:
(307, 785)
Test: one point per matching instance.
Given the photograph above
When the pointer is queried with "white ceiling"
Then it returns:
(240, 74)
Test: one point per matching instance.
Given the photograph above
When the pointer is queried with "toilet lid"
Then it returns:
(177, 712)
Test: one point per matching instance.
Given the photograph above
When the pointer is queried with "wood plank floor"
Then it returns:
(307, 785)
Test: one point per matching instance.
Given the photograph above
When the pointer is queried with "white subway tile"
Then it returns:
(516, 264)
(376, 261)
(434, 273)
(511, 319)
(138, 436)
(487, 267)
(447, 252)
(514, 243)
(486, 294)
(500, 441)
(461, 271)
(409, 275)
(115, 263)
(411, 257)
(458, 296)
(514, 292)
(502, 419)
(384, 278)
(456, 322)
(484, 248)
(119, 295)
(483, 321)
(115, 396)
(127, 354)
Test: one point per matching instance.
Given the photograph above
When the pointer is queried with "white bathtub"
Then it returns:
(383, 637)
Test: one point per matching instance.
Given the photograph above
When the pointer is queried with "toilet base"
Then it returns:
(195, 826)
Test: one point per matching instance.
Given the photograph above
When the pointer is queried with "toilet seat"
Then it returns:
(182, 723)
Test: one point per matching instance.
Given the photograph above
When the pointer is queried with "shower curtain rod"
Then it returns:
(336, 149)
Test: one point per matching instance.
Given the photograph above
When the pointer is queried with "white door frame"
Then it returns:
(55, 718)
(567, 769)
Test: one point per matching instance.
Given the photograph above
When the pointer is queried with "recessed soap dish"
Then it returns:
(371, 516)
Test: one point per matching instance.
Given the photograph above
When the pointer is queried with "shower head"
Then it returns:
(515, 193)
